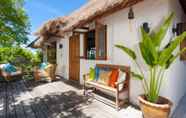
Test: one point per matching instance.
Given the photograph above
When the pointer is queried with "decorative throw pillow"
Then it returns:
(121, 77)
(43, 65)
(104, 77)
(97, 71)
(113, 78)
(9, 68)
(92, 74)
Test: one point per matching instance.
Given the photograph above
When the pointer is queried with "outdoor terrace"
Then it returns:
(59, 99)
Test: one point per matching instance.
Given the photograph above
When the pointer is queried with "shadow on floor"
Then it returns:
(68, 104)
(65, 105)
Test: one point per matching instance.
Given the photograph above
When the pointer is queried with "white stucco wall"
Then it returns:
(120, 32)
(63, 58)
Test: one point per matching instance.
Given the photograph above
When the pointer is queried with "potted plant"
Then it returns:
(158, 59)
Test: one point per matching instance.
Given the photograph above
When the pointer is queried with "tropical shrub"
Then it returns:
(157, 59)
(20, 57)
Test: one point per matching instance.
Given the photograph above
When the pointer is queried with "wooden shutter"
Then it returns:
(101, 42)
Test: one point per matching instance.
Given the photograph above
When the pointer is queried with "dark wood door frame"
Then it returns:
(74, 57)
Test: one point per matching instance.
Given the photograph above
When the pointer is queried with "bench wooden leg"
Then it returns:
(117, 100)
(84, 89)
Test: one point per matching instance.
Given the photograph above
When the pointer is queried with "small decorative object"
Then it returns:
(130, 17)
(179, 28)
(131, 14)
(158, 61)
(146, 27)
(60, 46)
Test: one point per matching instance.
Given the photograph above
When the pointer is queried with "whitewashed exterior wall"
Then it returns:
(63, 58)
(119, 32)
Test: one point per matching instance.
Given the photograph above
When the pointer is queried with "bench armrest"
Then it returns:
(118, 83)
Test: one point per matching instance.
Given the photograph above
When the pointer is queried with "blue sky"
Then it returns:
(39, 11)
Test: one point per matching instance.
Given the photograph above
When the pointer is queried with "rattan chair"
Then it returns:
(11, 76)
(45, 74)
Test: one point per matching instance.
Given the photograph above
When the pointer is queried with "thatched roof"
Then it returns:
(37, 43)
(51, 26)
(93, 9)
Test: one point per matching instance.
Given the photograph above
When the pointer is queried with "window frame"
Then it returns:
(98, 27)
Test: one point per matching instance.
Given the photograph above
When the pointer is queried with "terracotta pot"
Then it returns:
(151, 110)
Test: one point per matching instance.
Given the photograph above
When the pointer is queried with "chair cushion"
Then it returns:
(16, 73)
(100, 86)
(97, 71)
(113, 78)
(43, 66)
(92, 74)
(121, 77)
(104, 77)
(9, 68)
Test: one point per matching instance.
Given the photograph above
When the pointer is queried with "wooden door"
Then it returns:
(74, 58)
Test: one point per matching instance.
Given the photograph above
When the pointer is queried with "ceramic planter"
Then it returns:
(151, 110)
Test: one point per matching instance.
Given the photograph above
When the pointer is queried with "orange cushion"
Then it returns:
(113, 78)
(104, 77)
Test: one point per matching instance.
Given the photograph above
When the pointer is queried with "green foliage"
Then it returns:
(158, 60)
(20, 57)
(130, 52)
(14, 25)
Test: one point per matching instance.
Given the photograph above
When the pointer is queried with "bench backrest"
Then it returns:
(125, 69)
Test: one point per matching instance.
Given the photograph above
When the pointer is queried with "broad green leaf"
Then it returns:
(173, 58)
(130, 52)
(145, 54)
(150, 47)
(159, 36)
(166, 53)
(137, 76)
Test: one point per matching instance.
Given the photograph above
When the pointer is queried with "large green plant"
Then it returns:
(20, 57)
(157, 59)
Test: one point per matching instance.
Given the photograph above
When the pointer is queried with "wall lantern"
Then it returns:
(130, 17)
(179, 28)
(146, 27)
(60, 46)
(131, 14)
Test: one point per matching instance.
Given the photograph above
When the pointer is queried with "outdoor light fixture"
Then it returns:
(130, 17)
(131, 14)
(60, 46)
(146, 27)
(179, 28)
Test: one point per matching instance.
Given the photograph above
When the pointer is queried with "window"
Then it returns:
(101, 43)
(95, 43)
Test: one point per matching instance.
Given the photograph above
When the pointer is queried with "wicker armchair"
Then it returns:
(48, 73)
(11, 76)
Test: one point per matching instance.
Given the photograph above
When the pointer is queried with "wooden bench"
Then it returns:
(107, 89)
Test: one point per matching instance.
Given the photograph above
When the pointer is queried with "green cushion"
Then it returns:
(9, 68)
(43, 66)
(92, 74)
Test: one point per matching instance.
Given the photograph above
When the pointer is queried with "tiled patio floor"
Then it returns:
(30, 99)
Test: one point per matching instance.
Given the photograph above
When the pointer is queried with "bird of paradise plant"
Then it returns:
(157, 59)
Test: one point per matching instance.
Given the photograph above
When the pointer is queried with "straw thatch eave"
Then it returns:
(51, 27)
(95, 9)
(92, 10)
